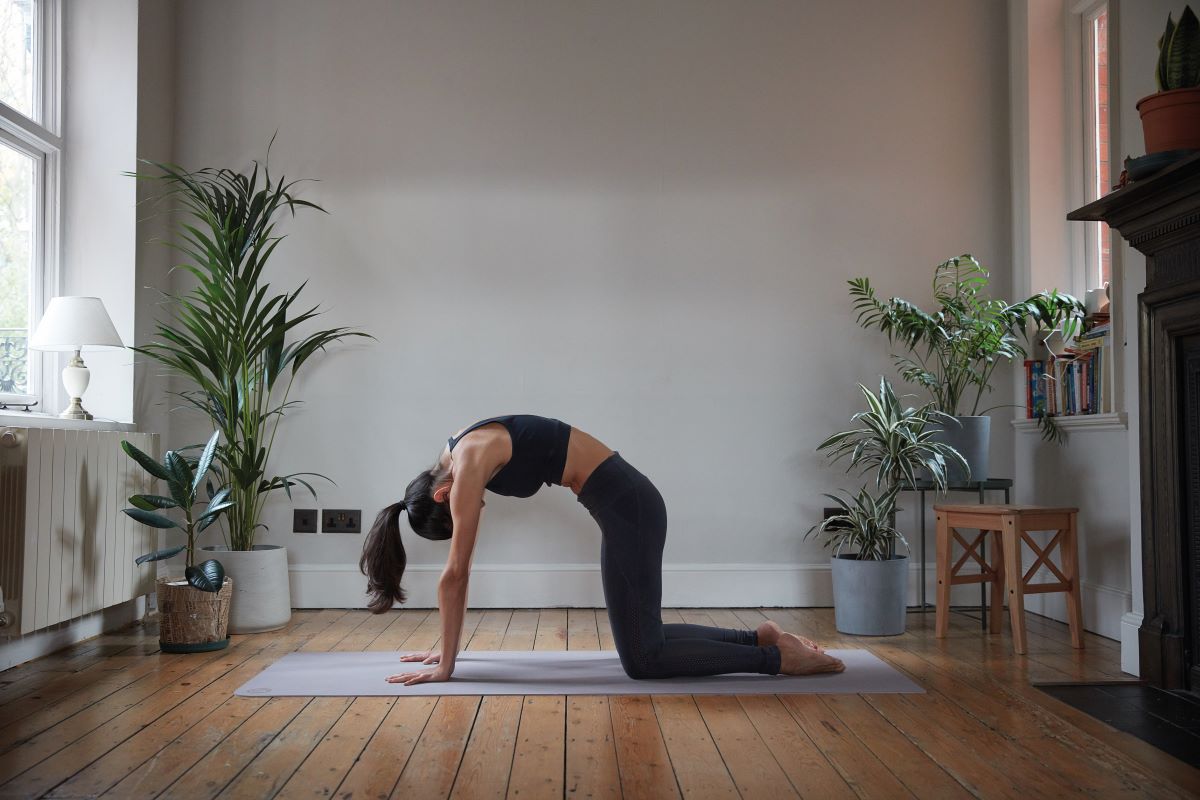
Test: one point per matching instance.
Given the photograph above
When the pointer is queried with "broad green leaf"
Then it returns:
(147, 463)
(207, 576)
(159, 555)
(205, 462)
(150, 502)
(150, 518)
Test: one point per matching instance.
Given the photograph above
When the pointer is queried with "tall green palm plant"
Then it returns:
(954, 350)
(234, 340)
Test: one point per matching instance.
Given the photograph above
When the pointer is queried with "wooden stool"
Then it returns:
(1010, 525)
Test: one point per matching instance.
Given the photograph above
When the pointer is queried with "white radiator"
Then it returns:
(66, 549)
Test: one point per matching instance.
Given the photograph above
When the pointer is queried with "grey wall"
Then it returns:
(635, 216)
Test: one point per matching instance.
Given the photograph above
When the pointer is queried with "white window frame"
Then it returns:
(1081, 167)
(43, 142)
(1081, 171)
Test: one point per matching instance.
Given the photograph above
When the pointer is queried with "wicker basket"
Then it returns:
(192, 621)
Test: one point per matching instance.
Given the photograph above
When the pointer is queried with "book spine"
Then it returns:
(1089, 405)
(1039, 388)
(1029, 389)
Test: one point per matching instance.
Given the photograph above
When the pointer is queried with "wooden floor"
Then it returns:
(114, 717)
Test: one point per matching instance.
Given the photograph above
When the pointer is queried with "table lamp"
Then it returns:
(75, 323)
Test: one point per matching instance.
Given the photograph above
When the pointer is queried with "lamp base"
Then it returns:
(75, 410)
(76, 377)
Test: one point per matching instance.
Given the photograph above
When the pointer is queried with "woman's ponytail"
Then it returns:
(383, 560)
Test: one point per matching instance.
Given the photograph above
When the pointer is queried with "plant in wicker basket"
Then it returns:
(194, 615)
(184, 477)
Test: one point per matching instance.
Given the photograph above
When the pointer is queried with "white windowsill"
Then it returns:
(33, 419)
(1112, 421)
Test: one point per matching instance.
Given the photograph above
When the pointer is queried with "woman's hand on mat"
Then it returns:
(435, 675)
(425, 657)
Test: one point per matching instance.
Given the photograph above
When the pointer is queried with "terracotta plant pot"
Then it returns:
(1171, 120)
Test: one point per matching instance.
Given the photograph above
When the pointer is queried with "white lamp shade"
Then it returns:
(75, 323)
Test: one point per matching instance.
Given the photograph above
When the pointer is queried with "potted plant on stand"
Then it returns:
(870, 581)
(238, 345)
(1171, 116)
(194, 610)
(954, 351)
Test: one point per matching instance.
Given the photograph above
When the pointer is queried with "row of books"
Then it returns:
(1075, 381)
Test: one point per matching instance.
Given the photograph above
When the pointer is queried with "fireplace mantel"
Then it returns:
(1160, 217)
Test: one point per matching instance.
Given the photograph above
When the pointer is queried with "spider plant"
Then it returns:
(865, 525)
(954, 351)
(233, 339)
(895, 444)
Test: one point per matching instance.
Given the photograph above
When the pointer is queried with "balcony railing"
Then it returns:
(14, 360)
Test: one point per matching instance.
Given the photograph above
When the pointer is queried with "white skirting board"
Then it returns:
(578, 586)
(1130, 652)
(1104, 607)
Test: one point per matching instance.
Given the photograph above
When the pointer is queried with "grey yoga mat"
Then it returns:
(575, 672)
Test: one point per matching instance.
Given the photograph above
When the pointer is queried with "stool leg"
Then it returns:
(1013, 580)
(943, 577)
(1067, 547)
(997, 583)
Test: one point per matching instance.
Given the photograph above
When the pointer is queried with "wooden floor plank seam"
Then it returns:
(958, 699)
(90, 732)
(113, 717)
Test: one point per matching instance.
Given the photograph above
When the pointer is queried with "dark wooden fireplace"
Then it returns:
(1160, 217)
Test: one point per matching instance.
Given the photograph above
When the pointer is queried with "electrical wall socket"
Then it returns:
(826, 513)
(341, 520)
(304, 520)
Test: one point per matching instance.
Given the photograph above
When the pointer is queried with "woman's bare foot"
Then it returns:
(796, 658)
(769, 633)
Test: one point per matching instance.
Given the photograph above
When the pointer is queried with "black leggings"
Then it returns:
(633, 520)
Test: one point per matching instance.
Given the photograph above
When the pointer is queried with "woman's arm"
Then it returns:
(466, 501)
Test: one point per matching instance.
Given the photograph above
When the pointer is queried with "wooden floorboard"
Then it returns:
(114, 717)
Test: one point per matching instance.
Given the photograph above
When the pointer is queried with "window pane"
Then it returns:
(18, 43)
(17, 173)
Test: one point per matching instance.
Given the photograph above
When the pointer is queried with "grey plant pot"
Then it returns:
(971, 437)
(262, 597)
(869, 596)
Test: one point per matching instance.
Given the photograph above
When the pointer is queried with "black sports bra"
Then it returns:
(539, 453)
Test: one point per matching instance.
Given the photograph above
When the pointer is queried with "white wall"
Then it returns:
(100, 118)
(638, 217)
(1098, 470)
(99, 209)
(155, 135)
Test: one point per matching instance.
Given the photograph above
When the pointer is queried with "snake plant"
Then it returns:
(1179, 53)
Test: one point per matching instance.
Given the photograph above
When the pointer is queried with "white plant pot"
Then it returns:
(262, 597)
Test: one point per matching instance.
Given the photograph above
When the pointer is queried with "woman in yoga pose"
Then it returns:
(514, 456)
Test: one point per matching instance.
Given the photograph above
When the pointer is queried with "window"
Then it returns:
(1097, 175)
(30, 151)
